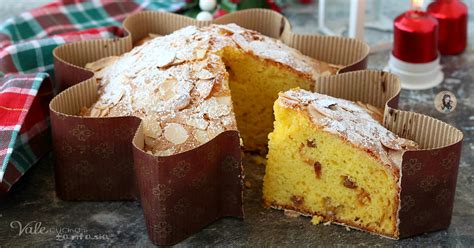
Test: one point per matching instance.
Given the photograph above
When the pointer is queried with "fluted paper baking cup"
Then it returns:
(181, 193)
(428, 175)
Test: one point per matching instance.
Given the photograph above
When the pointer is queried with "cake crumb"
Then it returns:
(291, 213)
(316, 220)
(248, 184)
(347, 228)
(327, 223)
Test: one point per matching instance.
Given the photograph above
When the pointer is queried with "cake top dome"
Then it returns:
(180, 81)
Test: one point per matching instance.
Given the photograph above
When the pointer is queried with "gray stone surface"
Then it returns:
(33, 200)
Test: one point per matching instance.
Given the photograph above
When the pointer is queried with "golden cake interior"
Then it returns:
(254, 86)
(320, 174)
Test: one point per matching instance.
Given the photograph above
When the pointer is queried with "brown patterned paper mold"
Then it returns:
(425, 177)
(95, 157)
(183, 193)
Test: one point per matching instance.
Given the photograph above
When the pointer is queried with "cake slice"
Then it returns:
(332, 159)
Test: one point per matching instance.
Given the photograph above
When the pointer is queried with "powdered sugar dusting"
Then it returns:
(349, 120)
(181, 79)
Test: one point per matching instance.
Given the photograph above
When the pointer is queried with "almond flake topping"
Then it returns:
(165, 57)
(151, 127)
(177, 83)
(205, 74)
(201, 136)
(353, 121)
(197, 122)
(204, 87)
(175, 133)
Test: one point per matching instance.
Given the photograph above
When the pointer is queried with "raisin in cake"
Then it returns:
(195, 83)
(332, 159)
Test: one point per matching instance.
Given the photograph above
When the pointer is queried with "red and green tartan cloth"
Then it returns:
(26, 66)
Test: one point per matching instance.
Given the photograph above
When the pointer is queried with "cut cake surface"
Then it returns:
(331, 159)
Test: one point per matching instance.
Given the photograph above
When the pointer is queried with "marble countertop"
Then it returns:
(121, 224)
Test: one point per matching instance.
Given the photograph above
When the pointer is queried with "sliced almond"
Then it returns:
(175, 133)
(101, 63)
(99, 75)
(204, 87)
(392, 144)
(227, 121)
(116, 95)
(95, 112)
(188, 31)
(197, 122)
(130, 75)
(104, 112)
(214, 109)
(377, 117)
(181, 102)
(408, 144)
(204, 74)
(224, 100)
(350, 108)
(289, 102)
(316, 113)
(166, 88)
(234, 28)
(166, 152)
(201, 136)
(226, 32)
(214, 130)
(361, 104)
(200, 53)
(101, 105)
(165, 57)
(151, 127)
(178, 61)
(374, 109)
(240, 41)
(184, 55)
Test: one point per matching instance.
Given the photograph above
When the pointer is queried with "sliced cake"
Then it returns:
(331, 159)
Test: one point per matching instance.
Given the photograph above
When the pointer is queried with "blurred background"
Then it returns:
(304, 17)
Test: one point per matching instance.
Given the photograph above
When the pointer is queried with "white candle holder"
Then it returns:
(416, 76)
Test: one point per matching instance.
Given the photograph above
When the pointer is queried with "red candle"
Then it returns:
(415, 37)
(452, 18)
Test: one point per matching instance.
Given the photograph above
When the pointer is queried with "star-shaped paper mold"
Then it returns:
(219, 192)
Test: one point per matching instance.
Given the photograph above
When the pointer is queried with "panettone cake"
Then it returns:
(193, 84)
(332, 159)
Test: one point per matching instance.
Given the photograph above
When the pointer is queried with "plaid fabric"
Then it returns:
(26, 64)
